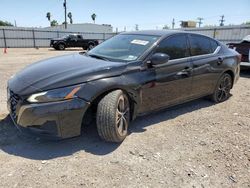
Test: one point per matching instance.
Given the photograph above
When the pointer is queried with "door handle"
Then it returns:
(220, 60)
(184, 72)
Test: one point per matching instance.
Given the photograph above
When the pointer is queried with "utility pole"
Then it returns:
(222, 20)
(65, 13)
(200, 21)
(173, 23)
(136, 27)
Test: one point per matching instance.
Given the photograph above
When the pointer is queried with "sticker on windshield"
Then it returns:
(131, 58)
(140, 42)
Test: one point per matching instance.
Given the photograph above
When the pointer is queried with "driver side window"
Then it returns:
(174, 46)
(73, 37)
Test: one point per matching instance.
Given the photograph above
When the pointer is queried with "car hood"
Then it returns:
(62, 71)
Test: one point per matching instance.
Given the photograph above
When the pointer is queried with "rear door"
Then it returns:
(79, 42)
(72, 41)
(172, 84)
(206, 64)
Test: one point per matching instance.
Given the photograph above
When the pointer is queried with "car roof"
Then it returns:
(160, 33)
(74, 34)
(163, 33)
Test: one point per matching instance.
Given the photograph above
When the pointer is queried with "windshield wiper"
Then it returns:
(98, 57)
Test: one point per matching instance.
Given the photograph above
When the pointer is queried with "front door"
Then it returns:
(173, 80)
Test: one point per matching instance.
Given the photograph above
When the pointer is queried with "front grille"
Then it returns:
(14, 99)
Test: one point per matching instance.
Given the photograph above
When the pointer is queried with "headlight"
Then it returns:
(54, 95)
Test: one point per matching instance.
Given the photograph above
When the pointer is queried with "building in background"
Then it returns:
(188, 24)
(84, 27)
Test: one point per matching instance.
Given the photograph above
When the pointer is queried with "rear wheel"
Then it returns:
(91, 46)
(222, 91)
(113, 116)
(61, 46)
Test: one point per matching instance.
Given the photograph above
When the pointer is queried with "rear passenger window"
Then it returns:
(214, 45)
(73, 37)
(79, 36)
(199, 45)
(175, 47)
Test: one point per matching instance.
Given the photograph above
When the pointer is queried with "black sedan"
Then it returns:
(131, 74)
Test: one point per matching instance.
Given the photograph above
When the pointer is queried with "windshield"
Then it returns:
(65, 36)
(124, 47)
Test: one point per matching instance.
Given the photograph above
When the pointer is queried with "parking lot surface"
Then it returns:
(198, 144)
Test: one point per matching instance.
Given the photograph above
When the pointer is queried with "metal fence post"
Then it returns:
(214, 35)
(4, 39)
(104, 36)
(34, 39)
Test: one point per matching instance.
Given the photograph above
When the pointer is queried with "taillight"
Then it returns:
(239, 58)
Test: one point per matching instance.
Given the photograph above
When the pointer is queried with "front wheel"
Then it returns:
(113, 116)
(222, 91)
(91, 46)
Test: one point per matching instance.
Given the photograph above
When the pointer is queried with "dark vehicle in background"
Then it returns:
(243, 48)
(131, 74)
(73, 40)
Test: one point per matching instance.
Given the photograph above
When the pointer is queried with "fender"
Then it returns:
(98, 88)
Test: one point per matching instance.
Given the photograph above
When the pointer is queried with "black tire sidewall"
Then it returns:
(106, 117)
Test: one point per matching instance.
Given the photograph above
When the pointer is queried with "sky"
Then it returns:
(148, 14)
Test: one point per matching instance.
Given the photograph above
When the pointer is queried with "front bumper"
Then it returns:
(50, 120)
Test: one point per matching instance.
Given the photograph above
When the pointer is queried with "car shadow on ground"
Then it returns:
(15, 143)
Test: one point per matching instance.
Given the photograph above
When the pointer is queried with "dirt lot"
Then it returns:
(197, 144)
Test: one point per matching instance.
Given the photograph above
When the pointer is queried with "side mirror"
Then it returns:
(159, 58)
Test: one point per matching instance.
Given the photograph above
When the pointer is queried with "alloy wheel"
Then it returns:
(122, 115)
(224, 88)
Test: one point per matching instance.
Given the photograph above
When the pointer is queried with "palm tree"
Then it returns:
(93, 16)
(70, 17)
(53, 23)
(48, 15)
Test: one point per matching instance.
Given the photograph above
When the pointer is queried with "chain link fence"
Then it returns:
(225, 34)
(37, 38)
(12, 37)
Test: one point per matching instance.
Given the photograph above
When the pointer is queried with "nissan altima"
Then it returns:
(131, 74)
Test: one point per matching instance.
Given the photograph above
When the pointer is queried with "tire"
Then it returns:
(113, 116)
(91, 46)
(223, 87)
(61, 46)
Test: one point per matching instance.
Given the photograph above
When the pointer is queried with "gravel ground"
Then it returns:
(198, 144)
